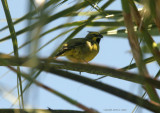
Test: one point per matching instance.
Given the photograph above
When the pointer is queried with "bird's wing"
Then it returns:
(71, 44)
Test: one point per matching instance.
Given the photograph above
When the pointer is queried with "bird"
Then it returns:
(81, 50)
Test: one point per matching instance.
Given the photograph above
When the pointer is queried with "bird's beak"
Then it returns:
(100, 36)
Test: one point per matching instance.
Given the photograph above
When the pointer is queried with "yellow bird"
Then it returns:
(81, 50)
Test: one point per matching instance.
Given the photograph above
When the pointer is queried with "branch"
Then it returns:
(38, 111)
(101, 86)
(89, 68)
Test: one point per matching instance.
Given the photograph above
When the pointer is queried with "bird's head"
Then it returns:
(95, 36)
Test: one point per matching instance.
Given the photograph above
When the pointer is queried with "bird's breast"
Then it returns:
(84, 53)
